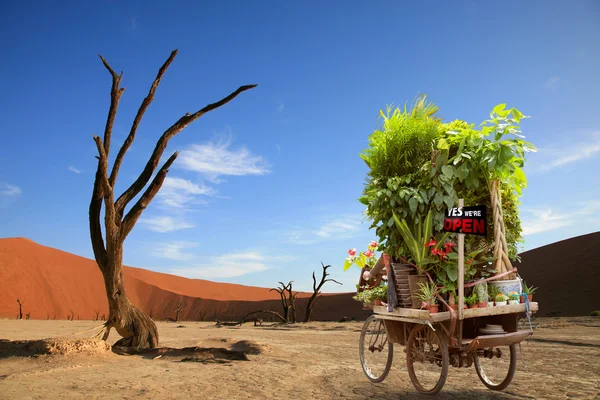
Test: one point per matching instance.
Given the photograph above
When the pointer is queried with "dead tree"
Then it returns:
(202, 312)
(47, 316)
(103, 317)
(284, 299)
(28, 315)
(96, 314)
(178, 310)
(20, 302)
(317, 291)
(135, 327)
(71, 317)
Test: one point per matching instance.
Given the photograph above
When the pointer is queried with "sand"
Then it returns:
(304, 361)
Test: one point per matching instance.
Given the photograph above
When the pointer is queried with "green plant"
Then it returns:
(364, 258)
(514, 296)
(418, 243)
(481, 291)
(472, 299)
(493, 291)
(500, 297)
(427, 293)
(595, 314)
(368, 295)
(528, 290)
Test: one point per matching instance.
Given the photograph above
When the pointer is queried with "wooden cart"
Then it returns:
(430, 348)
(436, 341)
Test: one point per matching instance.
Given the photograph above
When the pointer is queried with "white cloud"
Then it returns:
(216, 159)
(228, 266)
(8, 190)
(545, 219)
(562, 156)
(338, 228)
(165, 224)
(280, 107)
(173, 250)
(178, 192)
(73, 169)
(552, 82)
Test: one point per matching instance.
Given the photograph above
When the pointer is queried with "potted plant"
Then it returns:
(513, 298)
(482, 295)
(500, 299)
(528, 290)
(427, 295)
(471, 301)
(380, 293)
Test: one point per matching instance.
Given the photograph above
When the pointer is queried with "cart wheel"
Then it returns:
(427, 359)
(496, 366)
(374, 347)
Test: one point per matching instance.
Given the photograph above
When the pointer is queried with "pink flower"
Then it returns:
(369, 254)
(373, 245)
(352, 252)
(432, 242)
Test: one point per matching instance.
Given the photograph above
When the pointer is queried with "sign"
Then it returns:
(469, 220)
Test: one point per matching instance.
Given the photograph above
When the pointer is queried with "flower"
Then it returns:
(369, 253)
(352, 252)
(431, 243)
(372, 245)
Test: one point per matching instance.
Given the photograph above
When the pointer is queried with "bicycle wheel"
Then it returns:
(427, 359)
(375, 350)
(496, 366)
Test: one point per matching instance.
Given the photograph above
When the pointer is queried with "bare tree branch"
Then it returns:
(115, 96)
(137, 186)
(317, 291)
(106, 191)
(138, 118)
(139, 207)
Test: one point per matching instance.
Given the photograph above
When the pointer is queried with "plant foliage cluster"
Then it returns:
(420, 166)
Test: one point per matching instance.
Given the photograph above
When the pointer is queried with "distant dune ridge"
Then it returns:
(53, 282)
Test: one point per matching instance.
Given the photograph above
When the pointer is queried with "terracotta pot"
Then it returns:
(530, 296)
(474, 306)
(482, 304)
(433, 308)
(453, 306)
(378, 302)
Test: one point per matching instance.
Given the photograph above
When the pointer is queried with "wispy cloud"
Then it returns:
(229, 265)
(75, 170)
(584, 149)
(178, 192)
(552, 82)
(546, 219)
(338, 228)
(278, 149)
(217, 159)
(9, 190)
(173, 250)
(165, 224)
(280, 107)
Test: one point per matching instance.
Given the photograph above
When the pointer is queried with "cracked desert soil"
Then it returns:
(303, 361)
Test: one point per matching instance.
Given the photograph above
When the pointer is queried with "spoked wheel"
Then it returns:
(427, 359)
(496, 366)
(376, 351)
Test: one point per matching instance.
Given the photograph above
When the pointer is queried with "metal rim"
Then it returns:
(374, 338)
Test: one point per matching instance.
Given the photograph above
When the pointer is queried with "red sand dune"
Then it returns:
(53, 282)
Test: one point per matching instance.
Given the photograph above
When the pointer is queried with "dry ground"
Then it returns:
(305, 361)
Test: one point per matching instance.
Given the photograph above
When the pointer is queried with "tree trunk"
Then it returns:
(136, 328)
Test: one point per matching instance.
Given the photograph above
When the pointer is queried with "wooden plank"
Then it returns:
(403, 312)
(461, 269)
(506, 339)
(403, 319)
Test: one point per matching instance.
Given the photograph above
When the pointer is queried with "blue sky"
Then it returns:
(283, 197)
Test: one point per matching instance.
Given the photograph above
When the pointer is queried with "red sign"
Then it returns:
(469, 220)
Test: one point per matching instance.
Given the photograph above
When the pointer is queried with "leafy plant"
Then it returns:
(364, 258)
(528, 290)
(493, 291)
(427, 293)
(418, 243)
(368, 295)
(472, 299)
(500, 297)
